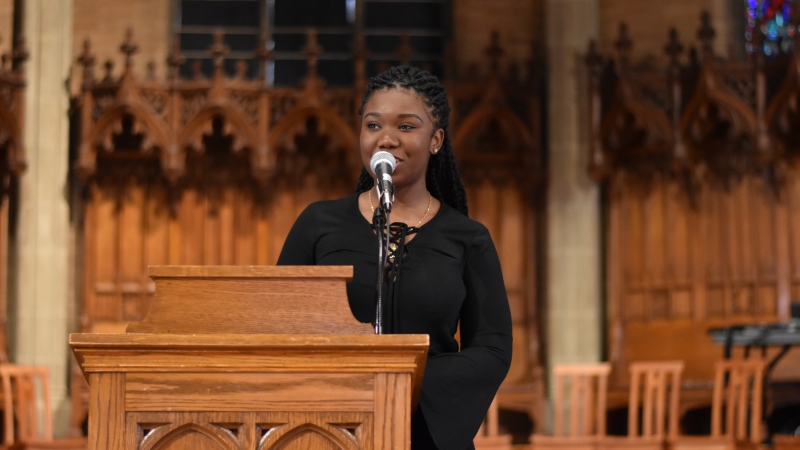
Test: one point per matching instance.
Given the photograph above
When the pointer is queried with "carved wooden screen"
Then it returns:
(215, 171)
(497, 127)
(12, 162)
(676, 270)
(701, 201)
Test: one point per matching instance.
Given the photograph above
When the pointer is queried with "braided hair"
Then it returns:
(442, 177)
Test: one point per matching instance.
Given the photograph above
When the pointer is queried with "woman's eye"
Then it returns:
(372, 126)
(406, 127)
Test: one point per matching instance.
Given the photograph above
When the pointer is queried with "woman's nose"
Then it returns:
(387, 140)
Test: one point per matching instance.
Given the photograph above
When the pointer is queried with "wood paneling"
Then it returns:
(215, 172)
(736, 232)
(701, 175)
(251, 391)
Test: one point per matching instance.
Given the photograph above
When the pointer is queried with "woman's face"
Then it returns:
(397, 121)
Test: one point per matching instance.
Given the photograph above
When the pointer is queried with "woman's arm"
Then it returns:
(459, 387)
(298, 249)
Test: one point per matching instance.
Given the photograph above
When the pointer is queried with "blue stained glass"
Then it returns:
(773, 23)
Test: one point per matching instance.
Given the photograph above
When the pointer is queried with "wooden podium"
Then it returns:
(250, 358)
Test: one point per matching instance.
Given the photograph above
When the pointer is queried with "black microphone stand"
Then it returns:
(380, 219)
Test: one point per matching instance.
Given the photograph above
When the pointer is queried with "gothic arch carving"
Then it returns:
(155, 135)
(278, 437)
(327, 136)
(162, 437)
(235, 124)
(783, 114)
(512, 127)
(719, 130)
(492, 142)
(295, 123)
(636, 136)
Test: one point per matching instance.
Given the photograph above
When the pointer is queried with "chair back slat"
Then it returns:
(655, 388)
(585, 400)
(21, 399)
(736, 410)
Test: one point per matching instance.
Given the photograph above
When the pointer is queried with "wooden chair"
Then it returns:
(585, 405)
(736, 409)
(785, 442)
(655, 388)
(489, 437)
(20, 399)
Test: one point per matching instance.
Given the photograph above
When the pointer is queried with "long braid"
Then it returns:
(442, 177)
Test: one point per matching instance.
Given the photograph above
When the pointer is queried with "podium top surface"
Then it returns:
(250, 300)
(308, 272)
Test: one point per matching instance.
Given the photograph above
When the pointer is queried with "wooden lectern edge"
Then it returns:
(217, 272)
(170, 340)
(85, 343)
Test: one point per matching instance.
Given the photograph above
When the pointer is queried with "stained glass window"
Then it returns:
(771, 25)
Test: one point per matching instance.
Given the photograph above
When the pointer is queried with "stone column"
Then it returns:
(574, 262)
(40, 269)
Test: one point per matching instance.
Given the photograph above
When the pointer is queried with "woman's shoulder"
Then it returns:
(454, 222)
(330, 208)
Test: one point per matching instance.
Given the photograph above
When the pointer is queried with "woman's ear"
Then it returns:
(436, 141)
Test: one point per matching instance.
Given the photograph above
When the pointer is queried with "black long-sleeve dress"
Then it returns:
(449, 272)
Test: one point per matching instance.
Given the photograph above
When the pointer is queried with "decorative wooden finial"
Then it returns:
(534, 63)
(594, 60)
(19, 54)
(706, 35)
(241, 69)
(494, 52)
(87, 60)
(623, 46)
(674, 48)
(263, 54)
(175, 59)
(404, 51)
(218, 48)
(109, 66)
(151, 70)
(312, 50)
(197, 69)
(129, 48)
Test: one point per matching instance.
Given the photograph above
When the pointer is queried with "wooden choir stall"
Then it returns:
(250, 357)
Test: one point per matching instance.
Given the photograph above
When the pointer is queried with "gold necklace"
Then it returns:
(430, 199)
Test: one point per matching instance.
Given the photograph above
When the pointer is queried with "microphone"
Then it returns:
(383, 164)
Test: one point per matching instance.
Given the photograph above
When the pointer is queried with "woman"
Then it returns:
(443, 269)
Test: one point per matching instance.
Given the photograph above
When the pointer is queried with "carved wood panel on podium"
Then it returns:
(215, 171)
